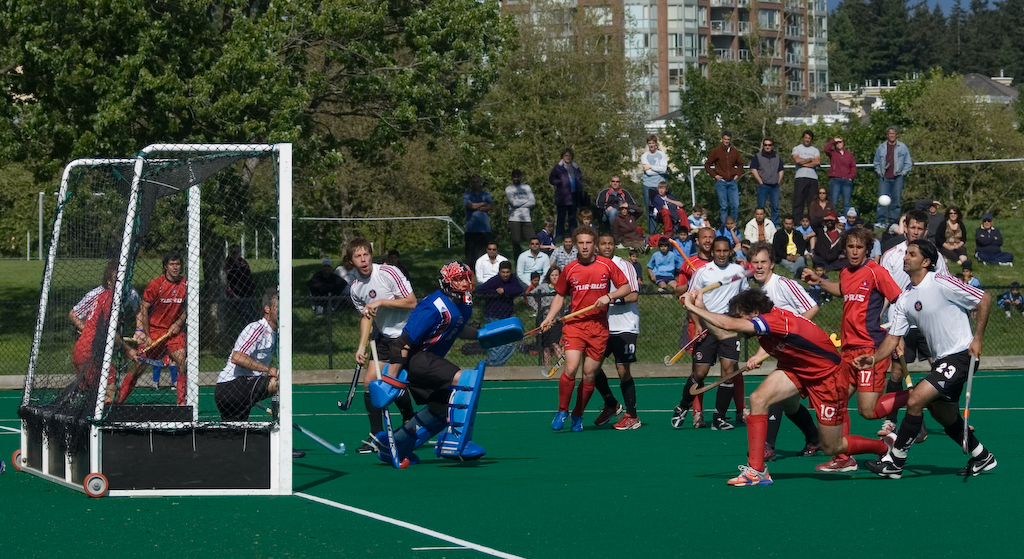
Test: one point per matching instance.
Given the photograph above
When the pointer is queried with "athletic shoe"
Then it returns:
(720, 424)
(296, 453)
(769, 453)
(886, 465)
(749, 477)
(627, 423)
(837, 465)
(608, 413)
(698, 421)
(367, 448)
(740, 420)
(982, 463)
(559, 421)
(922, 436)
(810, 449)
(678, 416)
(887, 427)
(577, 424)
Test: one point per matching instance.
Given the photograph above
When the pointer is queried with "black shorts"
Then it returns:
(236, 398)
(710, 348)
(384, 348)
(949, 374)
(430, 378)
(623, 347)
(915, 346)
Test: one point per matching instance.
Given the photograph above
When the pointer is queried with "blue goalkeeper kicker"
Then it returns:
(500, 332)
(456, 440)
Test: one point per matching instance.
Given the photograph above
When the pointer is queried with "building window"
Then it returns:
(768, 19)
(641, 15)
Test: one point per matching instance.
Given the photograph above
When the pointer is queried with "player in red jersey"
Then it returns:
(866, 288)
(162, 312)
(705, 240)
(87, 355)
(587, 280)
(808, 365)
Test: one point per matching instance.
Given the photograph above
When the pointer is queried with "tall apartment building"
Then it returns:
(669, 35)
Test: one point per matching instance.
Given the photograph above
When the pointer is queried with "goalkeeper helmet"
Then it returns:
(456, 280)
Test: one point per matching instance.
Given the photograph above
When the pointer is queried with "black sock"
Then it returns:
(893, 386)
(956, 432)
(601, 385)
(909, 428)
(723, 397)
(774, 422)
(376, 416)
(629, 394)
(803, 419)
(404, 403)
(687, 400)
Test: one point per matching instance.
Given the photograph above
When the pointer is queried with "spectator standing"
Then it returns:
(1012, 299)
(670, 211)
(626, 230)
(807, 159)
(989, 244)
(655, 165)
(789, 247)
(567, 179)
(531, 261)
(892, 163)
(767, 168)
(841, 172)
(608, 201)
(520, 199)
(565, 254)
(478, 204)
(759, 228)
(725, 165)
(935, 218)
(486, 267)
(950, 237)
(241, 284)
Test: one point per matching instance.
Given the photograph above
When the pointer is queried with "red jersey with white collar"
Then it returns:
(166, 301)
(865, 292)
(801, 347)
(587, 283)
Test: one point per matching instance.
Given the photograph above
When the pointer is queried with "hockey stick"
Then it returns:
(363, 338)
(537, 330)
(679, 249)
(156, 342)
(340, 449)
(745, 275)
(967, 404)
(558, 365)
(387, 420)
(694, 390)
(903, 369)
(689, 345)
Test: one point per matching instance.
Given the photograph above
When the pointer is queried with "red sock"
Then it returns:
(127, 384)
(182, 388)
(862, 445)
(565, 386)
(846, 422)
(586, 391)
(757, 432)
(891, 401)
(698, 405)
(738, 395)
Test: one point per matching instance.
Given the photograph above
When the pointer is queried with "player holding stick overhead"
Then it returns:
(623, 328)
(587, 281)
(162, 317)
(384, 297)
(866, 288)
(938, 306)
(791, 296)
(717, 344)
(808, 365)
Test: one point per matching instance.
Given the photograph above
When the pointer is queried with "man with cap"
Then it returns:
(326, 288)
(828, 250)
(989, 243)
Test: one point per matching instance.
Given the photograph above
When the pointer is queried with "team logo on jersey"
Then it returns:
(917, 306)
(373, 293)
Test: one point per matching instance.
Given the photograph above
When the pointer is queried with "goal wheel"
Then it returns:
(16, 460)
(96, 485)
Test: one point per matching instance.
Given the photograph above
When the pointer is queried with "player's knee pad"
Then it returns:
(388, 388)
(454, 441)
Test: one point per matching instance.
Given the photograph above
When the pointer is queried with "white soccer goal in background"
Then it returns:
(163, 438)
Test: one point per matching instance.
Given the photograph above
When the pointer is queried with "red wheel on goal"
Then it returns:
(16, 460)
(96, 485)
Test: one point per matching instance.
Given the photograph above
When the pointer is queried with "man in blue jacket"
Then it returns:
(892, 165)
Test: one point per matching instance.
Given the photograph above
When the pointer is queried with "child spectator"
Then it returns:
(807, 231)
(670, 211)
(634, 259)
(664, 266)
(697, 219)
(741, 254)
(968, 274)
(1012, 299)
(534, 283)
(547, 237)
(815, 291)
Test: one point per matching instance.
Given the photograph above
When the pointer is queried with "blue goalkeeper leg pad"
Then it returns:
(418, 430)
(455, 441)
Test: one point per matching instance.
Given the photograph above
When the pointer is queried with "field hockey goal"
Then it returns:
(97, 420)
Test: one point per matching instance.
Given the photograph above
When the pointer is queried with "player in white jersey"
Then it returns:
(623, 330)
(938, 305)
(790, 295)
(915, 226)
(383, 296)
(716, 344)
(248, 376)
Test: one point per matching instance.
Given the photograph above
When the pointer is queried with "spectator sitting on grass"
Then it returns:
(968, 272)
(696, 219)
(626, 229)
(664, 266)
(989, 244)
(807, 231)
(1012, 299)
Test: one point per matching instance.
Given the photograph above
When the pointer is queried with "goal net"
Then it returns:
(144, 293)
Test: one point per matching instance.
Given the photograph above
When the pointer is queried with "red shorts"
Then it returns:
(167, 346)
(868, 380)
(587, 336)
(828, 395)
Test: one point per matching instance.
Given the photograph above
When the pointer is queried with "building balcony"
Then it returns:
(725, 54)
(744, 54)
(768, 25)
(795, 5)
(793, 31)
(723, 28)
(793, 59)
(744, 27)
(795, 87)
(723, 3)
(820, 6)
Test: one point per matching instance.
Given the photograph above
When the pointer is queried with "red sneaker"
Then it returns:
(837, 464)
(627, 422)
